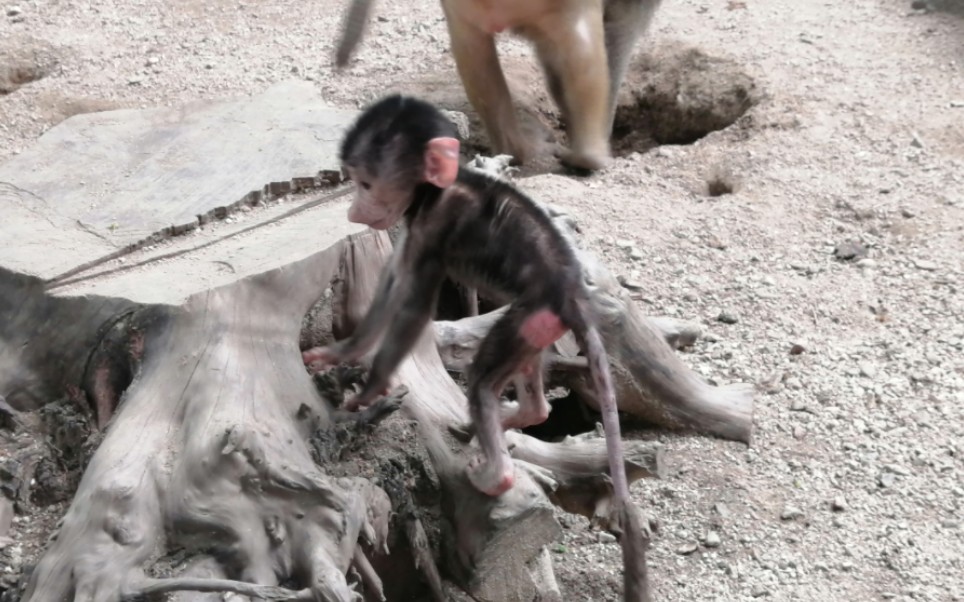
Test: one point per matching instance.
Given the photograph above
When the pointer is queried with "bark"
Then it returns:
(651, 381)
(223, 468)
(485, 534)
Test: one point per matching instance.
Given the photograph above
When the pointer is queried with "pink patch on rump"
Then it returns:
(543, 328)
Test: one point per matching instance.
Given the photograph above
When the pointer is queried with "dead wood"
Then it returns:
(491, 556)
(651, 381)
(208, 451)
(217, 443)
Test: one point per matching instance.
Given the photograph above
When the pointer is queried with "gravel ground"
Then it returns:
(830, 277)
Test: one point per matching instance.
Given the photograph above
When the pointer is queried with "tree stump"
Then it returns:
(174, 314)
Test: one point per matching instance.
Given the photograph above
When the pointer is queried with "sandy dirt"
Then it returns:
(831, 276)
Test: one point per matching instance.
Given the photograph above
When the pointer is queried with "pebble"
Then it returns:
(635, 254)
(847, 251)
(6, 515)
(797, 349)
(624, 244)
(13, 11)
(897, 470)
(916, 141)
(628, 283)
(799, 432)
(712, 539)
(727, 318)
(923, 264)
(867, 369)
(950, 523)
(687, 548)
(714, 242)
(907, 212)
(759, 591)
(886, 479)
(791, 513)
(605, 537)
(839, 504)
(957, 104)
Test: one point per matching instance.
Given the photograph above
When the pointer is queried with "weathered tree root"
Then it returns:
(580, 468)
(487, 554)
(156, 587)
(207, 451)
(651, 381)
(407, 512)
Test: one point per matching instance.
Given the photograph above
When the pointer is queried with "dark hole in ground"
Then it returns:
(718, 187)
(22, 62)
(677, 96)
(569, 416)
(672, 95)
(721, 181)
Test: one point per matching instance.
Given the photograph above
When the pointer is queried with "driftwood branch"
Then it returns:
(487, 553)
(651, 381)
(156, 587)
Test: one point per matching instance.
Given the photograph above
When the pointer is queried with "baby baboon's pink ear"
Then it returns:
(442, 161)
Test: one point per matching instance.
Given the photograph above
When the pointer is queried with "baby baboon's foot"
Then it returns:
(526, 415)
(491, 478)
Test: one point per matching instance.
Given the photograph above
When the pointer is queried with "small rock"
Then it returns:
(867, 369)
(839, 504)
(152, 60)
(907, 212)
(624, 244)
(923, 264)
(797, 349)
(915, 140)
(847, 251)
(798, 405)
(886, 480)
(950, 523)
(715, 243)
(721, 509)
(6, 515)
(866, 263)
(687, 548)
(134, 81)
(897, 470)
(957, 104)
(605, 537)
(13, 11)
(629, 283)
(209, 65)
(727, 318)
(791, 513)
(635, 254)
(759, 591)
(799, 432)
(712, 539)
